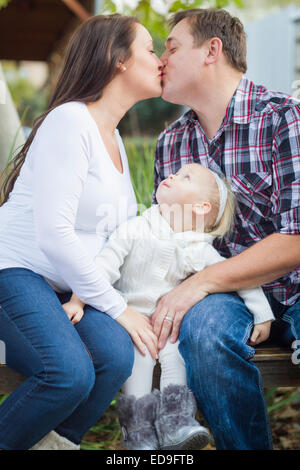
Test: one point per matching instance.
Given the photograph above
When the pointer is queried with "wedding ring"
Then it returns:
(169, 319)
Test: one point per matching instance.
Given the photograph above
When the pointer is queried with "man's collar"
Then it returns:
(240, 108)
(243, 101)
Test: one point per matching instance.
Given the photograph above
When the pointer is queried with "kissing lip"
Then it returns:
(166, 184)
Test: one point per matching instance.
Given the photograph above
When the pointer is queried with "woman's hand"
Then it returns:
(74, 311)
(260, 333)
(172, 307)
(140, 329)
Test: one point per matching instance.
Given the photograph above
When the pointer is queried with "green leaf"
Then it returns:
(221, 3)
(154, 21)
(239, 3)
(284, 402)
(269, 395)
(4, 3)
(197, 3)
(3, 398)
(109, 7)
(176, 6)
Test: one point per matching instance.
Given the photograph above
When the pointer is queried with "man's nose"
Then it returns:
(163, 58)
(171, 176)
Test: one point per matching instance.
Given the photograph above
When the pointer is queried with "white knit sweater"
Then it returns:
(144, 259)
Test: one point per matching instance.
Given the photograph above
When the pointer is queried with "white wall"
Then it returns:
(271, 50)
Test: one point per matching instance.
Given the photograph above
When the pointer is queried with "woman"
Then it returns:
(72, 167)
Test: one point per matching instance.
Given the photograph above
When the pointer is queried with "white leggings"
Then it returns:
(173, 370)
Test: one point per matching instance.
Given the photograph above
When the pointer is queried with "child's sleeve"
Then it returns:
(112, 256)
(255, 299)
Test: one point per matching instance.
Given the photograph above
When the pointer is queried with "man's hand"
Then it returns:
(140, 329)
(74, 311)
(172, 307)
(260, 333)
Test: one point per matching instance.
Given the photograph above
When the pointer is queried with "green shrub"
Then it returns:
(140, 152)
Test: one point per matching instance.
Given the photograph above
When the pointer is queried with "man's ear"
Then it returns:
(201, 208)
(215, 47)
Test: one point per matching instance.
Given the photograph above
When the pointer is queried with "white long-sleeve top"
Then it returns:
(68, 197)
(144, 259)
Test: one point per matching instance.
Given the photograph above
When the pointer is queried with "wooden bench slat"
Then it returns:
(274, 363)
(272, 354)
(276, 367)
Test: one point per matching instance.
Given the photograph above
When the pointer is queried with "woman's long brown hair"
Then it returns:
(90, 64)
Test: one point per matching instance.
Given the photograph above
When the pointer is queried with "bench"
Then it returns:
(274, 363)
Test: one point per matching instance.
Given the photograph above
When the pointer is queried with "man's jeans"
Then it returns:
(73, 372)
(227, 386)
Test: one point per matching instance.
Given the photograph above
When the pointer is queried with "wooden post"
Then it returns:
(78, 9)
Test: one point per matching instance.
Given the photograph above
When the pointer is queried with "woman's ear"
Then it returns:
(201, 208)
(121, 67)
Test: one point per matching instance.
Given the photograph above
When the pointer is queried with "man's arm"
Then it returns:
(264, 262)
(277, 254)
(267, 260)
(254, 298)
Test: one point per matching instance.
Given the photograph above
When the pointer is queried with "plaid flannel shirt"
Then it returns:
(257, 148)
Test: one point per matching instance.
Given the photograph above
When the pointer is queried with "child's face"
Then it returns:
(190, 185)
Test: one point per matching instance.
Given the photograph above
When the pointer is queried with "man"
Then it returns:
(251, 136)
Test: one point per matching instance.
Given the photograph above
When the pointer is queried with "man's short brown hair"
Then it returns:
(207, 23)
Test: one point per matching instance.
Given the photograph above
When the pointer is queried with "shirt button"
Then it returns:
(249, 185)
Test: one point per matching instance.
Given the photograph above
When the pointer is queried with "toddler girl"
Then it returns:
(144, 259)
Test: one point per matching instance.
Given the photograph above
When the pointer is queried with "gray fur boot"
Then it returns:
(136, 418)
(176, 426)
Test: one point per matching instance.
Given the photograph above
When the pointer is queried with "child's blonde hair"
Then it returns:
(225, 225)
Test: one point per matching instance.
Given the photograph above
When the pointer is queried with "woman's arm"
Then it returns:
(74, 309)
(112, 256)
(76, 301)
(138, 326)
(60, 162)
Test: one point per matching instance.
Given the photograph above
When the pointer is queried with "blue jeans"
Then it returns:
(227, 386)
(73, 372)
